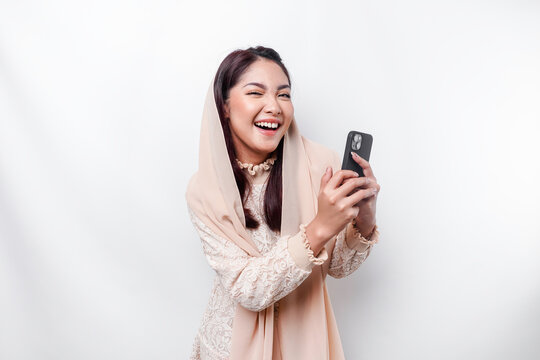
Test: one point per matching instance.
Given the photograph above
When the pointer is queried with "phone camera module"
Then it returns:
(357, 142)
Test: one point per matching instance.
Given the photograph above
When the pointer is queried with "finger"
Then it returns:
(366, 167)
(350, 184)
(339, 176)
(364, 181)
(360, 195)
(372, 183)
(325, 178)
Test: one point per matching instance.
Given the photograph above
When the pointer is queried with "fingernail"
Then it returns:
(328, 169)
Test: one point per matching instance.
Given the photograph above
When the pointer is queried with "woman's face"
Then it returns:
(260, 111)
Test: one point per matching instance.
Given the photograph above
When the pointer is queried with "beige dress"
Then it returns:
(257, 282)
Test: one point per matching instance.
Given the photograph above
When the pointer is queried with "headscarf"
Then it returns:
(306, 325)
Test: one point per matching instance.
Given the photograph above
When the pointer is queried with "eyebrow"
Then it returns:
(264, 86)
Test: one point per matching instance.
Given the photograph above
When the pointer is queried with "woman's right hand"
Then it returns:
(336, 205)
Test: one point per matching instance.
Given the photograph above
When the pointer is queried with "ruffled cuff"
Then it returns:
(356, 241)
(301, 252)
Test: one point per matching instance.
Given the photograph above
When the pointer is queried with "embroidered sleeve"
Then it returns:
(350, 251)
(257, 282)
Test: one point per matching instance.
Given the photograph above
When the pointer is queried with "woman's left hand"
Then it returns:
(365, 220)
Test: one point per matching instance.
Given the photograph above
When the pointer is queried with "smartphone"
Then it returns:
(360, 143)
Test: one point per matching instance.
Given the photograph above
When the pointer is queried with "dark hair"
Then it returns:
(228, 74)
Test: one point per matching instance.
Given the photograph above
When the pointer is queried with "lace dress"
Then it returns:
(257, 282)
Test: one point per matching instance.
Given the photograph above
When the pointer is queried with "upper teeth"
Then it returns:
(268, 125)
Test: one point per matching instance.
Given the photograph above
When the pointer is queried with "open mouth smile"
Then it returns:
(265, 125)
(268, 127)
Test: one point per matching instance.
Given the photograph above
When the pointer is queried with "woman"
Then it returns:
(275, 215)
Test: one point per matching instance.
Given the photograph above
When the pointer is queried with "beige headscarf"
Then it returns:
(306, 326)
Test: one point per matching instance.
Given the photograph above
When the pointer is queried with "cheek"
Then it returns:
(239, 128)
(243, 110)
(289, 112)
(288, 122)
(287, 127)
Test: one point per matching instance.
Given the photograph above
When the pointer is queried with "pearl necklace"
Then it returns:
(253, 169)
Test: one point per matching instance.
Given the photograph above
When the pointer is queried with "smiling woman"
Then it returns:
(275, 215)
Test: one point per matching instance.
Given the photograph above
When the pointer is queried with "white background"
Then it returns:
(100, 108)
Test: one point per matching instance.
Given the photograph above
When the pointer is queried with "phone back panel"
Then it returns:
(361, 144)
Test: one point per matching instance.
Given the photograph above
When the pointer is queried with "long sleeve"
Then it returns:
(349, 252)
(257, 282)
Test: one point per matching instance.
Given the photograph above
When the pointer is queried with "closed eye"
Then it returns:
(258, 93)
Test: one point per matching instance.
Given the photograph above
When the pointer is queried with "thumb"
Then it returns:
(326, 177)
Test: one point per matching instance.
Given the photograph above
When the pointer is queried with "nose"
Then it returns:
(272, 106)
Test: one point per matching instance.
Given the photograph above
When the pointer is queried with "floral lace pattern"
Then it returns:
(253, 282)
(344, 260)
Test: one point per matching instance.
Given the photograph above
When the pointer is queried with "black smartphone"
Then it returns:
(360, 143)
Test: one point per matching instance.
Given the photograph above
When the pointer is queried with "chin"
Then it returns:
(269, 149)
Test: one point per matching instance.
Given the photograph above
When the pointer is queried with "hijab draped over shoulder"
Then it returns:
(306, 324)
